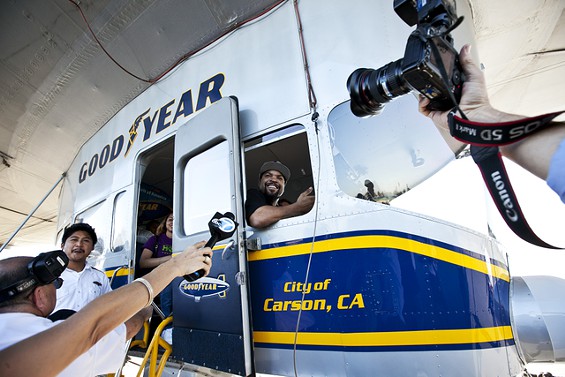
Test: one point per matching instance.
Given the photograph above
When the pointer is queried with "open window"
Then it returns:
(288, 145)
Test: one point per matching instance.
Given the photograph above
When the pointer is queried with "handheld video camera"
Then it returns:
(221, 226)
(430, 64)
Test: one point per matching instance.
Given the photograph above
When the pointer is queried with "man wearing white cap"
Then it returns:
(261, 206)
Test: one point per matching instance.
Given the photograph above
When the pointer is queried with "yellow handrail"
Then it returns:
(142, 343)
(153, 352)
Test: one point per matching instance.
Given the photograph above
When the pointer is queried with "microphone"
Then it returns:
(221, 227)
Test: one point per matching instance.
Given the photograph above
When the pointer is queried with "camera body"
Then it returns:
(430, 64)
(43, 269)
(46, 267)
(422, 70)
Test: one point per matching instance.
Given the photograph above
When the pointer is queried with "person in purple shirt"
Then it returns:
(157, 250)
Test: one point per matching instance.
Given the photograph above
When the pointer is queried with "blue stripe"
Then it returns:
(420, 348)
(401, 291)
(391, 233)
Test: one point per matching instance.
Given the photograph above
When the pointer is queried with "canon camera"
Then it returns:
(43, 269)
(430, 64)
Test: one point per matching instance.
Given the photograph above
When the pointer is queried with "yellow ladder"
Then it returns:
(155, 370)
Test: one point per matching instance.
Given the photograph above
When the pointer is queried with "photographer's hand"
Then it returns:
(474, 98)
(533, 153)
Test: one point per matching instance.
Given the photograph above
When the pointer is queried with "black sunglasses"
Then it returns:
(58, 283)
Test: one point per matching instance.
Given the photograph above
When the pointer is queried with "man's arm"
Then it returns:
(135, 323)
(54, 349)
(267, 215)
(533, 153)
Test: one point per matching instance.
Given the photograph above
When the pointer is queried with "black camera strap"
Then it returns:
(496, 134)
(18, 287)
(485, 139)
(490, 163)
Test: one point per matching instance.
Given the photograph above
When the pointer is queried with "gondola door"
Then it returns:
(211, 323)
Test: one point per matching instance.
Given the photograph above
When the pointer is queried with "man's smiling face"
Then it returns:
(272, 184)
(78, 247)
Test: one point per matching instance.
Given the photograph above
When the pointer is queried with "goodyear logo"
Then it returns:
(152, 122)
(205, 287)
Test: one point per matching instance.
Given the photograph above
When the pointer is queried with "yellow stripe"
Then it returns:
(128, 271)
(215, 248)
(391, 242)
(396, 338)
(121, 272)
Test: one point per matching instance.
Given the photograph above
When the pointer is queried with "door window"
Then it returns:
(206, 182)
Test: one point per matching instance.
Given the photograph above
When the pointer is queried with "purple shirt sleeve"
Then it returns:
(150, 244)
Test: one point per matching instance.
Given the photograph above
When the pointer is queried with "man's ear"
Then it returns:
(37, 296)
(40, 299)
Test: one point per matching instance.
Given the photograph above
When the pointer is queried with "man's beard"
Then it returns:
(272, 198)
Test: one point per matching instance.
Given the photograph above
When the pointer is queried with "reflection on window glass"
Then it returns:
(120, 223)
(98, 218)
(381, 157)
(206, 182)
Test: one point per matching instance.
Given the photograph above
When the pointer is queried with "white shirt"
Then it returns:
(79, 288)
(106, 356)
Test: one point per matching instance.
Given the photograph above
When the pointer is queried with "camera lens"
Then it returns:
(371, 89)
